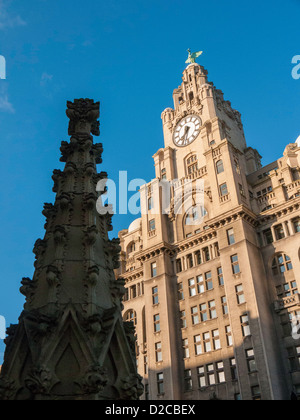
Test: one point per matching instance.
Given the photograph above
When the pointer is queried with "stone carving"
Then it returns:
(83, 115)
(57, 176)
(72, 322)
(91, 235)
(64, 200)
(118, 290)
(130, 335)
(28, 288)
(97, 151)
(90, 201)
(10, 333)
(60, 235)
(95, 380)
(113, 248)
(93, 274)
(7, 389)
(39, 381)
(132, 387)
(49, 210)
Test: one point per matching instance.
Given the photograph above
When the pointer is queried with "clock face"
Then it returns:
(187, 130)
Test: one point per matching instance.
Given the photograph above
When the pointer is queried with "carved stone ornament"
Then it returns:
(83, 115)
(93, 274)
(95, 380)
(7, 389)
(57, 176)
(60, 235)
(132, 387)
(91, 235)
(28, 287)
(39, 380)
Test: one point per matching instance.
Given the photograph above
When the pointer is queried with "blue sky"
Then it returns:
(129, 54)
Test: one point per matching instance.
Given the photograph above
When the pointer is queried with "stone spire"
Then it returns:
(71, 342)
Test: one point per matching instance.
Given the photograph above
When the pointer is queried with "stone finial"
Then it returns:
(83, 115)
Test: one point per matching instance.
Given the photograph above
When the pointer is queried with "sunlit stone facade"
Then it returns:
(212, 297)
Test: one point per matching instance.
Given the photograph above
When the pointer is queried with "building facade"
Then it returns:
(213, 289)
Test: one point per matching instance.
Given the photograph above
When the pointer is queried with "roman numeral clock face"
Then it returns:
(187, 130)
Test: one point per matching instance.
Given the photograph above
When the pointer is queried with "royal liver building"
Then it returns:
(213, 289)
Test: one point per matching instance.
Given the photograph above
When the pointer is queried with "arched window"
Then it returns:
(195, 216)
(220, 166)
(131, 248)
(130, 316)
(191, 164)
(281, 264)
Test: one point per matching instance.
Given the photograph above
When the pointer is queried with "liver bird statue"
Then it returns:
(193, 56)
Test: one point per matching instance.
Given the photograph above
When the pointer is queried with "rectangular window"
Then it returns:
(279, 232)
(256, 396)
(223, 189)
(198, 257)
(208, 281)
(195, 315)
(229, 336)
(192, 287)
(158, 353)
(211, 374)
(164, 173)
(224, 305)
(200, 284)
(216, 340)
(268, 236)
(206, 254)
(239, 290)
(242, 191)
(160, 383)
(203, 312)
(220, 372)
(156, 323)
(233, 369)
(235, 264)
(198, 345)
(296, 223)
(180, 291)
(230, 237)
(245, 325)
(154, 269)
(188, 382)
(190, 261)
(220, 276)
(251, 361)
(152, 225)
(212, 309)
(186, 350)
(206, 342)
(178, 266)
(155, 299)
(201, 377)
(183, 322)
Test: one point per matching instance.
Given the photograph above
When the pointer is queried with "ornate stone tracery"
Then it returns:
(71, 342)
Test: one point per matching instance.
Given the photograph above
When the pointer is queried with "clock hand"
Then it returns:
(186, 133)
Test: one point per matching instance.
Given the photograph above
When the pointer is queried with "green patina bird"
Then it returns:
(193, 56)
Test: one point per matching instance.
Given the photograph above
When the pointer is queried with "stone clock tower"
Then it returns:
(209, 289)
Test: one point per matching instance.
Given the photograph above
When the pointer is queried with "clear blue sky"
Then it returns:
(129, 54)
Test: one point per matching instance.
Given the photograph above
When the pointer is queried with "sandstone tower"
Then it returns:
(213, 290)
(71, 342)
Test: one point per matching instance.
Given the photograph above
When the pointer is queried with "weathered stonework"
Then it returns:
(71, 342)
